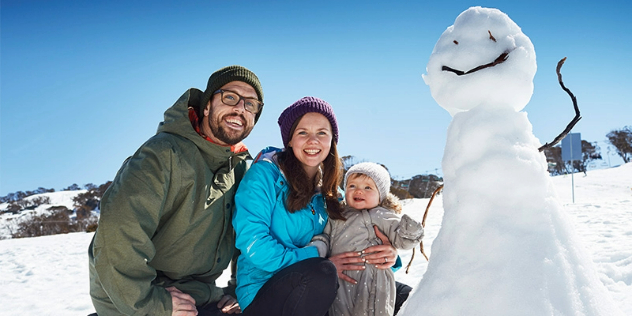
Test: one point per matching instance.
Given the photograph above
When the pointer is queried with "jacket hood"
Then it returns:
(176, 121)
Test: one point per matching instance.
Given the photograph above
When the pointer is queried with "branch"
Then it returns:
(423, 224)
(577, 116)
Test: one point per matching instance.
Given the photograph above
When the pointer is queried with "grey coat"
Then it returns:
(374, 294)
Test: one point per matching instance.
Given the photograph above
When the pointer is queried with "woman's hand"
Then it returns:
(347, 261)
(382, 256)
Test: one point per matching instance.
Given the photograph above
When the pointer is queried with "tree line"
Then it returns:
(58, 219)
(20, 195)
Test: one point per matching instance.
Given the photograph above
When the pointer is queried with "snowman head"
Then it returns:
(484, 58)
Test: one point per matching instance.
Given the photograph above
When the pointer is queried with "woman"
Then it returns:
(283, 201)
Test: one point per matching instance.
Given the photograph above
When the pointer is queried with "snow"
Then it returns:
(49, 275)
(601, 216)
(45, 275)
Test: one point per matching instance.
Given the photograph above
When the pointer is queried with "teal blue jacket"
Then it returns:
(269, 237)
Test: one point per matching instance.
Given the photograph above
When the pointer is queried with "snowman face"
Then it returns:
(484, 58)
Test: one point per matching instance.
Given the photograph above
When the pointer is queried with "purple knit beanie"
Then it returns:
(302, 107)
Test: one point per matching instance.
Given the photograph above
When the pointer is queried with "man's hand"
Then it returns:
(183, 304)
(228, 305)
(347, 261)
(382, 256)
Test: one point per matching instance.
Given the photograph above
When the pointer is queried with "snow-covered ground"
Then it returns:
(49, 275)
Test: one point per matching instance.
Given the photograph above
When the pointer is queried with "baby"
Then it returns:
(368, 203)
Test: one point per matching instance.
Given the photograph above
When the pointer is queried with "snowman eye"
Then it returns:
(455, 42)
(491, 37)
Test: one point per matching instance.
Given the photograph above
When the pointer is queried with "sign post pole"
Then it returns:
(572, 173)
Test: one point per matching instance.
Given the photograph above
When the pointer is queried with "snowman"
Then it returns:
(505, 246)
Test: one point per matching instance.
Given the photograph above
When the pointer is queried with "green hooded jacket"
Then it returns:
(166, 221)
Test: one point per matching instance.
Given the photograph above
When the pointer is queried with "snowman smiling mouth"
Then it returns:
(499, 60)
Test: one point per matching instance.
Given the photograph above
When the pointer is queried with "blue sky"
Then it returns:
(85, 83)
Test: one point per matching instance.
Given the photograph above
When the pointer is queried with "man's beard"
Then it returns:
(228, 135)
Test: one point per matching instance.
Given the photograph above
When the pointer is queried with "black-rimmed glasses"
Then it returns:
(231, 98)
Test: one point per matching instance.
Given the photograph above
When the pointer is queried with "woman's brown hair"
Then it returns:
(301, 191)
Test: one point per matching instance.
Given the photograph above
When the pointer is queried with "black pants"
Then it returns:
(307, 287)
(403, 291)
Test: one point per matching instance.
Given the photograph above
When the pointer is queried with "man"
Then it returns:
(165, 233)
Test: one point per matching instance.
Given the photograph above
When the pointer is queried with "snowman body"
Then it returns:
(505, 246)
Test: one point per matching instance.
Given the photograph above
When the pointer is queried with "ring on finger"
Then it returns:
(385, 260)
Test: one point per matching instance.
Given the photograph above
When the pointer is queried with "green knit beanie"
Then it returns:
(226, 75)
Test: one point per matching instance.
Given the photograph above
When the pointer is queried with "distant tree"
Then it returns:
(90, 186)
(590, 152)
(89, 200)
(19, 195)
(92, 227)
(41, 190)
(422, 186)
(40, 200)
(102, 188)
(23, 203)
(59, 208)
(55, 222)
(8, 198)
(554, 159)
(622, 141)
(12, 197)
(73, 187)
(85, 202)
(401, 193)
(13, 207)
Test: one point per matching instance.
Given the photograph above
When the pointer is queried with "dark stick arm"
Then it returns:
(575, 119)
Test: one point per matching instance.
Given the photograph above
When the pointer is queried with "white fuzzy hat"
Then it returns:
(376, 172)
